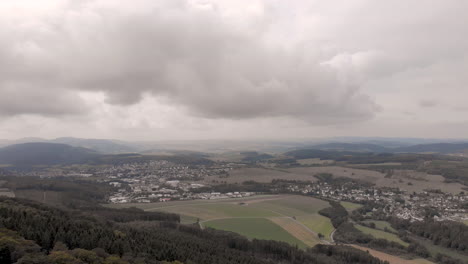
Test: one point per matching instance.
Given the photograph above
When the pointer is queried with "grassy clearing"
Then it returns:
(350, 206)
(382, 225)
(317, 223)
(187, 220)
(259, 228)
(381, 234)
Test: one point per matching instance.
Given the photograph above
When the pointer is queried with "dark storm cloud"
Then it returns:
(192, 57)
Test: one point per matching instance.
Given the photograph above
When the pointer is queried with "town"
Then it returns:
(163, 181)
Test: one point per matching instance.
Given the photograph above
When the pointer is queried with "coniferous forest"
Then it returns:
(39, 234)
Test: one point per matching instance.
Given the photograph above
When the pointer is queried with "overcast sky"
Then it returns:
(214, 69)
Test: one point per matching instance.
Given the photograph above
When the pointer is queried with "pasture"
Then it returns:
(350, 206)
(381, 234)
(288, 218)
(381, 225)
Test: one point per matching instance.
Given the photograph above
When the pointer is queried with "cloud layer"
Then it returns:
(190, 54)
(228, 62)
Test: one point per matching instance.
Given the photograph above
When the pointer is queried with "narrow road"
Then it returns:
(331, 236)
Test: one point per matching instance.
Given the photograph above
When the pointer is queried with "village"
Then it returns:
(163, 181)
(411, 206)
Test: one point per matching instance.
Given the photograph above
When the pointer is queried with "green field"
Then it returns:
(260, 228)
(293, 215)
(350, 206)
(381, 234)
(318, 223)
(382, 225)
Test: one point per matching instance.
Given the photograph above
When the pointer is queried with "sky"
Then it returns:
(233, 69)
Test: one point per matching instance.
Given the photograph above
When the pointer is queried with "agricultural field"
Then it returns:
(290, 218)
(381, 234)
(381, 225)
(260, 228)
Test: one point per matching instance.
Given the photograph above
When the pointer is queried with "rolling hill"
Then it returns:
(39, 153)
(104, 146)
(442, 148)
(354, 147)
(437, 147)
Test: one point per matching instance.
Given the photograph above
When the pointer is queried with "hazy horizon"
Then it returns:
(337, 139)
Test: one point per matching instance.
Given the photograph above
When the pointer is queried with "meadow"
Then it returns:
(381, 225)
(350, 206)
(290, 218)
(381, 234)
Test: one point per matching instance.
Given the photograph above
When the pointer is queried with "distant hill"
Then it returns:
(39, 153)
(253, 156)
(444, 148)
(354, 147)
(104, 146)
(317, 154)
